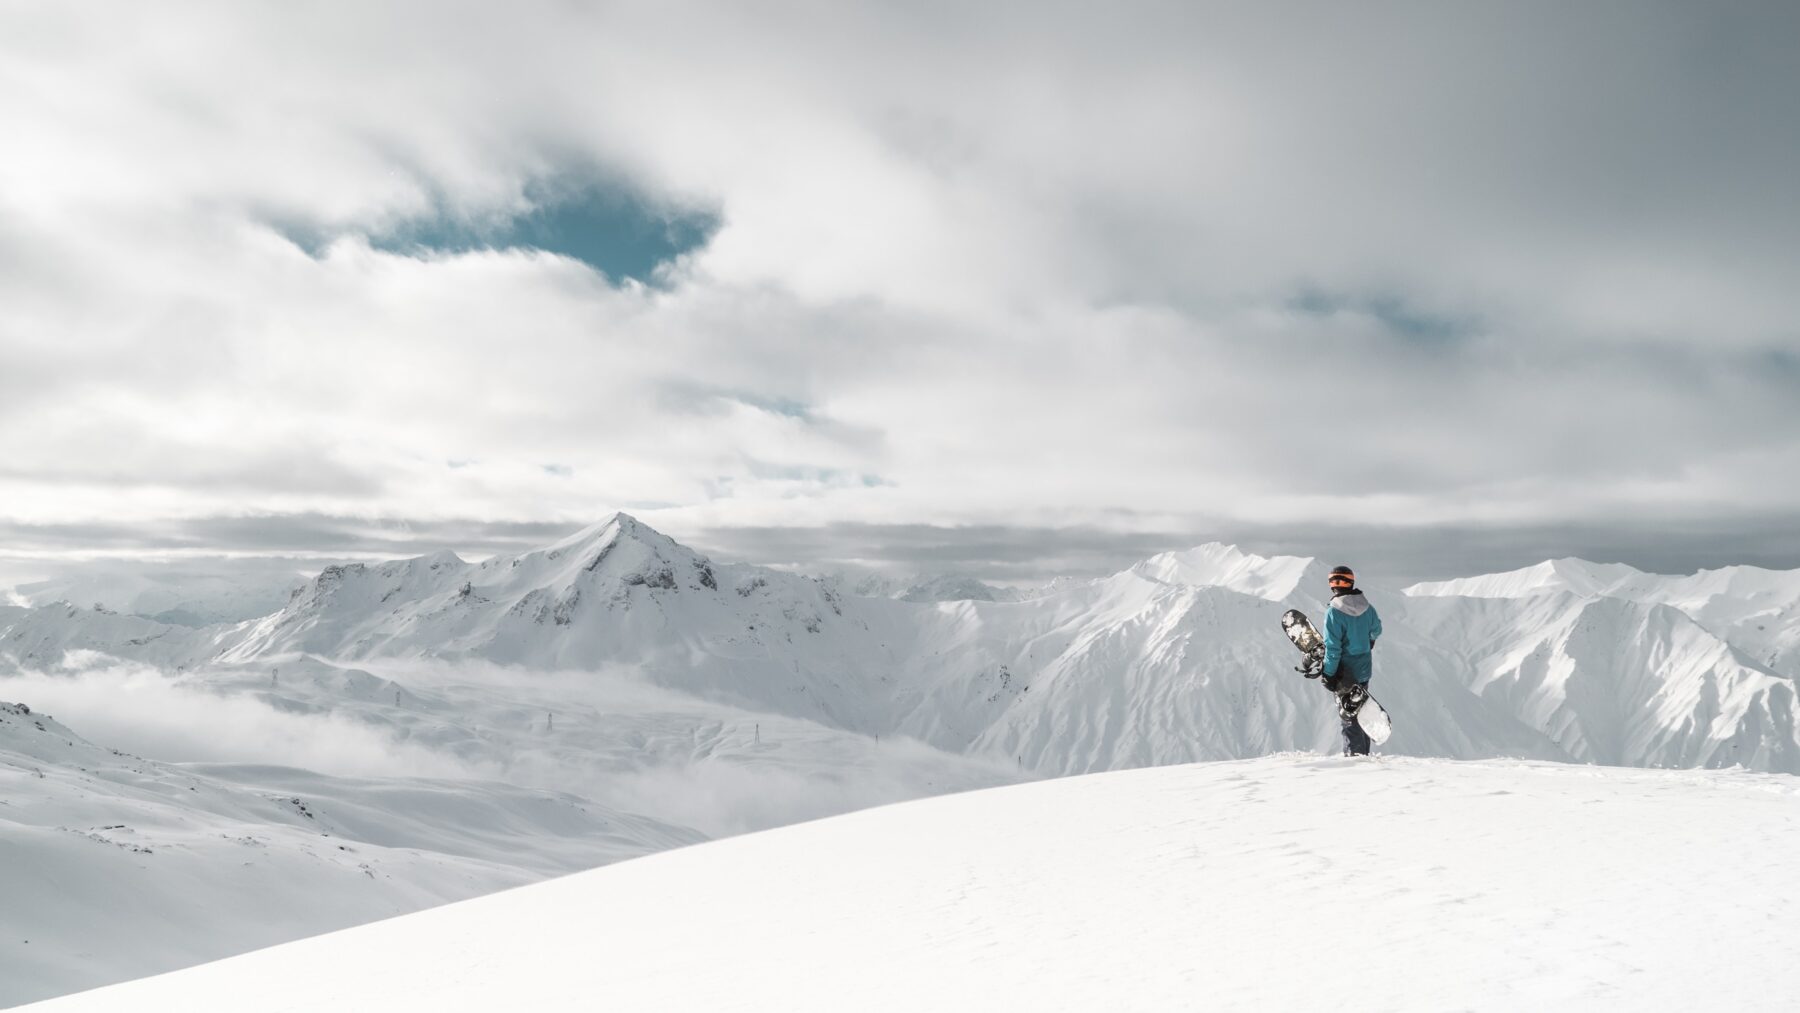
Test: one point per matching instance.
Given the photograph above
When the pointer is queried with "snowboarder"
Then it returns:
(1351, 629)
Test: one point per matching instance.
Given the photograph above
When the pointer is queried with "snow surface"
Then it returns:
(1286, 882)
(116, 866)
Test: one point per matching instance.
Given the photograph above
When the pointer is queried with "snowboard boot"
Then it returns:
(1356, 741)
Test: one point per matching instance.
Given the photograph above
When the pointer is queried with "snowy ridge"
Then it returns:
(1756, 610)
(1553, 575)
(170, 594)
(1169, 661)
(1495, 885)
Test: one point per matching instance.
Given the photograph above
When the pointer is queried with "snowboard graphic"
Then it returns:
(1369, 714)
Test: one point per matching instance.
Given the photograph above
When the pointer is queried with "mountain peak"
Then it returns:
(605, 530)
(616, 528)
(624, 548)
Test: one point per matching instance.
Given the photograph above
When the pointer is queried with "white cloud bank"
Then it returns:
(1151, 267)
(142, 710)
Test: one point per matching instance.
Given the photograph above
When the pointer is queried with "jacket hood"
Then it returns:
(1352, 604)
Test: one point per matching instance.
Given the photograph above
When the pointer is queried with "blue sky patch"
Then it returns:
(1400, 317)
(613, 229)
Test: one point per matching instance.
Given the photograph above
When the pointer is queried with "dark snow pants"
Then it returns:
(1354, 667)
(1356, 741)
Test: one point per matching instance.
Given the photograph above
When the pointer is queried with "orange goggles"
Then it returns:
(1344, 580)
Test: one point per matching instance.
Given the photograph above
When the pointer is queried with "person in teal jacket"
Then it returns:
(1351, 628)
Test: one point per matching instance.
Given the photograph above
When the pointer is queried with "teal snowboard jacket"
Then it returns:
(1351, 628)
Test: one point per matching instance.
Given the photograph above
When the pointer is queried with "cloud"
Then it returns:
(140, 710)
(1165, 269)
(642, 748)
(1388, 555)
(627, 744)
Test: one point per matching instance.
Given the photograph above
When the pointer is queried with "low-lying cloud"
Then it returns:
(609, 736)
(169, 717)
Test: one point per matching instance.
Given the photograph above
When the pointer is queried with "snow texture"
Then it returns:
(1280, 883)
(117, 866)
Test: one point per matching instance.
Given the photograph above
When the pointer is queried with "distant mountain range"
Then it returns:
(1176, 658)
(671, 697)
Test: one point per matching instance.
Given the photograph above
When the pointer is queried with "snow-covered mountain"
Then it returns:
(1757, 610)
(1577, 576)
(1287, 882)
(1171, 660)
(621, 667)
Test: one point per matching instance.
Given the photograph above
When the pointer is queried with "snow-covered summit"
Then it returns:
(619, 548)
(440, 605)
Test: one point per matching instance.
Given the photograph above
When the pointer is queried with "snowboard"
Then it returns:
(1369, 714)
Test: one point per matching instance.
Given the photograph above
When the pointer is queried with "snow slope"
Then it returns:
(1286, 882)
(117, 867)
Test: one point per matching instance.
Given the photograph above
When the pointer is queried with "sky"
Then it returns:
(1008, 289)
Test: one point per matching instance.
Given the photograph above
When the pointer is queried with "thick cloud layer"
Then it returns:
(1161, 268)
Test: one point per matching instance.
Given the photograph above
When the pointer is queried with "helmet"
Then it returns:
(1342, 576)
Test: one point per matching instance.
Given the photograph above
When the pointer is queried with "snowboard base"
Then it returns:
(1372, 718)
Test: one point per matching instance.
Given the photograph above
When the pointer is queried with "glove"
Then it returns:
(1334, 682)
